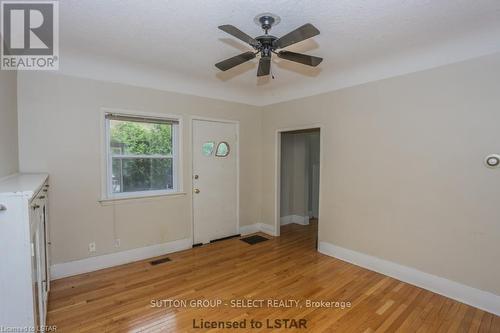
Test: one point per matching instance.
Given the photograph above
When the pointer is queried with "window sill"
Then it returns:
(135, 198)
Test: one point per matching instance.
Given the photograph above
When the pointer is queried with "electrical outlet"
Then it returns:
(118, 242)
(92, 247)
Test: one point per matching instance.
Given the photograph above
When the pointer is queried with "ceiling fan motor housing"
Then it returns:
(266, 45)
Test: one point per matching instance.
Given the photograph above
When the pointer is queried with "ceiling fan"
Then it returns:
(266, 45)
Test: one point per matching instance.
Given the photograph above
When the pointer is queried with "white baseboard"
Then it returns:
(91, 264)
(257, 227)
(475, 297)
(267, 229)
(249, 229)
(302, 220)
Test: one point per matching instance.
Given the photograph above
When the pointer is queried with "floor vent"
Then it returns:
(254, 239)
(224, 238)
(160, 261)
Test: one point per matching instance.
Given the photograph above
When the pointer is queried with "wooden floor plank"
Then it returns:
(119, 299)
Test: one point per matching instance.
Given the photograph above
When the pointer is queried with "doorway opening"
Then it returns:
(298, 182)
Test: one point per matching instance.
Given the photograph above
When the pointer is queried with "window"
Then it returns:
(141, 155)
(222, 149)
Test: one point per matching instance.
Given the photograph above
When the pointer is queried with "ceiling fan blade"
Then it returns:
(233, 31)
(302, 33)
(301, 58)
(224, 65)
(264, 66)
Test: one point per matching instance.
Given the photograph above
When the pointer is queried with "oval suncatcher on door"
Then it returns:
(222, 149)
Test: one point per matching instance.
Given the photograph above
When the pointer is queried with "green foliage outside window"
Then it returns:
(136, 138)
(132, 174)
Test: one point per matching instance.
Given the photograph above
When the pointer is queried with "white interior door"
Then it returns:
(215, 180)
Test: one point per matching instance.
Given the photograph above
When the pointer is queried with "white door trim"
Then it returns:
(277, 172)
(217, 120)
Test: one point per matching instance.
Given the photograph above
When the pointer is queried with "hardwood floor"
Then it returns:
(284, 268)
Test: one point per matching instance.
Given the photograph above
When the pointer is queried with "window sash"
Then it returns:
(109, 155)
(142, 156)
(153, 186)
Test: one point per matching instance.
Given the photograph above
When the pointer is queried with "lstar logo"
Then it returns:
(30, 32)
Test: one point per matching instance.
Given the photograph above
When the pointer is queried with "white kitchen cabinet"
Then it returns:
(24, 251)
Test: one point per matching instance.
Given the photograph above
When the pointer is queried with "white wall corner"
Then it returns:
(249, 229)
(257, 227)
(91, 264)
(302, 220)
(475, 297)
(267, 229)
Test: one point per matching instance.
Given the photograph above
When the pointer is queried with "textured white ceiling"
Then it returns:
(174, 44)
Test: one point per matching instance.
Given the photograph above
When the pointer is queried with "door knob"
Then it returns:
(196, 191)
(196, 176)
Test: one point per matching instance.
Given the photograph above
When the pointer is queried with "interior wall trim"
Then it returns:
(475, 297)
(302, 220)
(257, 227)
(91, 264)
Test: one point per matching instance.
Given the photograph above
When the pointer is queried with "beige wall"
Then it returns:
(60, 134)
(8, 123)
(403, 176)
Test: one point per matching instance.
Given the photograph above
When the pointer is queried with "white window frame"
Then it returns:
(107, 193)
